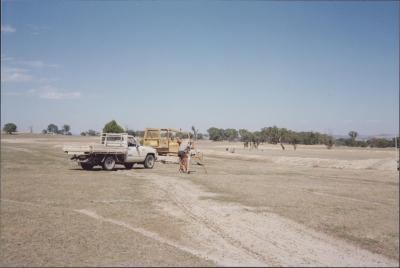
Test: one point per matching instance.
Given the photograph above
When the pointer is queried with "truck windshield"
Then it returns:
(131, 142)
(114, 138)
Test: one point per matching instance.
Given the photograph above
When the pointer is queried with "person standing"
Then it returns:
(183, 153)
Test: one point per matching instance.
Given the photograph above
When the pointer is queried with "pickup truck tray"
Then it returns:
(93, 149)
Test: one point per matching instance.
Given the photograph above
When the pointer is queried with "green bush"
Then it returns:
(112, 127)
(380, 143)
(10, 128)
(52, 128)
(216, 134)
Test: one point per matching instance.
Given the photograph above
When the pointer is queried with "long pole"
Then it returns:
(188, 163)
(190, 152)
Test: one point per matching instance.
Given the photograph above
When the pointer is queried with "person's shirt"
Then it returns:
(184, 145)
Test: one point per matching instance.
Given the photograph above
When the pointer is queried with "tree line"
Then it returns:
(273, 135)
(54, 129)
(373, 142)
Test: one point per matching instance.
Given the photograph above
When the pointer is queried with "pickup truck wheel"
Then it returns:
(86, 166)
(149, 161)
(109, 163)
(128, 165)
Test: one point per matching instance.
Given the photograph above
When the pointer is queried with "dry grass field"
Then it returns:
(265, 207)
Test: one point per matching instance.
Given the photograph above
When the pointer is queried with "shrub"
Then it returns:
(112, 127)
(10, 128)
(216, 134)
(66, 129)
(52, 128)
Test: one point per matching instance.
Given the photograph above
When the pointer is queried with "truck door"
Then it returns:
(133, 151)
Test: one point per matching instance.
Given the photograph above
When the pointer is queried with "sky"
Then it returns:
(323, 66)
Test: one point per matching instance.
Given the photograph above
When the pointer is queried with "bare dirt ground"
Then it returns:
(266, 207)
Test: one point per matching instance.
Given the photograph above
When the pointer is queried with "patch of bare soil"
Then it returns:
(235, 235)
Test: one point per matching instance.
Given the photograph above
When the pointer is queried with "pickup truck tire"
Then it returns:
(149, 161)
(128, 165)
(86, 166)
(109, 163)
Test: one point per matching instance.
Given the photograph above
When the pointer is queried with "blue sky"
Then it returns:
(323, 66)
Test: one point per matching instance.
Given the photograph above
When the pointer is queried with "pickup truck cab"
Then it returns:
(114, 148)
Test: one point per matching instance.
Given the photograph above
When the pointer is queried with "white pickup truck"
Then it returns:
(115, 148)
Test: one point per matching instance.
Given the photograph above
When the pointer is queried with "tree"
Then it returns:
(9, 128)
(245, 135)
(256, 138)
(194, 132)
(329, 142)
(293, 138)
(380, 143)
(230, 134)
(139, 133)
(271, 134)
(353, 135)
(184, 135)
(130, 132)
(44, 131)
(66, 129)
(91, 132)
(284, 135)
(216, 134)
(112, 127)
(52, 128)
(83, 133)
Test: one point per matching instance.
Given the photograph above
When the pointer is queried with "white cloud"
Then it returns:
(59, 95)
(53, 93)
(46, 92)
(46, 80)
(12, 93)
(5, 58)
(35, 30)
(28, 63)
(16, 71)
(7, 29)
(15, 75)
(18, 93)
(36, 64)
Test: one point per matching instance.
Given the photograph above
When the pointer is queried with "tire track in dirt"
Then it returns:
(232, 234)
(186, 209)
(144, 232)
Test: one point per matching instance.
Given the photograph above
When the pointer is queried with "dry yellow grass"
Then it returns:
(305, 202)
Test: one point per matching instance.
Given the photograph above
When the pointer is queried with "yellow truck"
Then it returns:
(164, 140)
